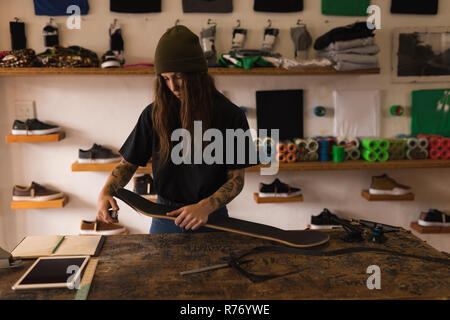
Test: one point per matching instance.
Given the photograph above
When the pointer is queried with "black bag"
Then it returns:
(278, 6)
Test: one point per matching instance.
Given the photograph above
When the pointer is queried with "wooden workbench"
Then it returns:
(148, 267)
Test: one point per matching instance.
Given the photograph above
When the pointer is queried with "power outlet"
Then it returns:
(25, 109)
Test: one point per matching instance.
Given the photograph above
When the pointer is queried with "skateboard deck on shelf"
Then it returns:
(295, 238)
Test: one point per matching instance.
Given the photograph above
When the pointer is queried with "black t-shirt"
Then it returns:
(188, 183)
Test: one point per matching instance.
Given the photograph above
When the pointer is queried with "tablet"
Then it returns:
(53, 272)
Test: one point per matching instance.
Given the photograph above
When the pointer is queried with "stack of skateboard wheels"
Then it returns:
(417, 148)
(287, 152)
(439, 147)
(306, 149)
(397, 149)
(265, 148)
(351, 146)
(325, 147)
(375, 150)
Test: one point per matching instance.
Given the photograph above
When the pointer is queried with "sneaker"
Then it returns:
(145, 187)
(278, 189)
(384, 185)
(100, 228)
(111, 59)
(35, 192)
(33, 127)
(434, 218)
(97, 154)
(324, 220)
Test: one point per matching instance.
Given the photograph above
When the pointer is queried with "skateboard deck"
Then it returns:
(294, 238)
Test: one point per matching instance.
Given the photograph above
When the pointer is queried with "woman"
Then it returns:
(184, 93)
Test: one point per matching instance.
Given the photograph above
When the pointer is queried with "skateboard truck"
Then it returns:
(354, 233)
(378, 230)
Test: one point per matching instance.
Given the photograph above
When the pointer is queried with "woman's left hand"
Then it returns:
(192, 216)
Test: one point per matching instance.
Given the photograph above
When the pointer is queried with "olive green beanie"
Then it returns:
(179, 50)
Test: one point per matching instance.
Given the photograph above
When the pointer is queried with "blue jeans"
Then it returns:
(168, 226)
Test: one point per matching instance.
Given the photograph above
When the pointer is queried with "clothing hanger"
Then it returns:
(212, 22)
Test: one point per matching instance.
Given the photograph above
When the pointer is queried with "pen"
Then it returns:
(59, 243)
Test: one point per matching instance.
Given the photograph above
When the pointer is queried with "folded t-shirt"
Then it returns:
(345, 7)
(135, 6)
(278, 6)
(415, 6)
(214, 6)
(59, 7)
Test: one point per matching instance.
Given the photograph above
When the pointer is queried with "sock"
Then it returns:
(18, 38)
(116, 41)
(301, 38)
(239, 36)
(51, 37)
(270, 36)
(208, 44)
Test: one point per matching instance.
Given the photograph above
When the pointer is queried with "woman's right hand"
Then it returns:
(106, 201)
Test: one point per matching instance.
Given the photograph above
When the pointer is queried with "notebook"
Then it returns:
(42, 246)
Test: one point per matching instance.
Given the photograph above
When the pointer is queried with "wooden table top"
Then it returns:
(148, 267)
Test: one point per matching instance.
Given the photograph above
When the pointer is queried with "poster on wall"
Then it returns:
(421, 54)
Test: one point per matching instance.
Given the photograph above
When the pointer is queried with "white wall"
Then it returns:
(104, 109)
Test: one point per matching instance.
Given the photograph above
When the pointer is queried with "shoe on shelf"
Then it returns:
(278, 189)
(98, 154)
(324, 220)
(145, 186)
(434, 218)
(98, 227)
(33, 127)
(35, 192)
(385, 185)
(112, 59)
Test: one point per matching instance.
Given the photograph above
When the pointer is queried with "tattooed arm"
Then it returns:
(196, 215)
(118, 178)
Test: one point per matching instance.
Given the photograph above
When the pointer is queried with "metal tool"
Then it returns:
(7, 261)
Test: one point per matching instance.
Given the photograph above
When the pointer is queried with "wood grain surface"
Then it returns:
(149, 266)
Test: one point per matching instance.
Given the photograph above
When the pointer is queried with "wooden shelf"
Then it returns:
(421, 229)
(151, 71)
(303, 166)
(259, 199)
(103, 167)
(58, 203)
(358, 165)
(373, 197)
(55, 137)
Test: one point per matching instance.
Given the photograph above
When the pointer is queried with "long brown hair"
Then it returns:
(169, 113)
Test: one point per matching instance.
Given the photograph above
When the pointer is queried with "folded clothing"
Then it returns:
(135, 6)
(345, 7)
(358, 30)
(204, 6)
(18, 59)
(415, 6)
(349, 66)
(71, 57)
(350, 44)
(278, 6)
(350, 57)
(59, 7)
